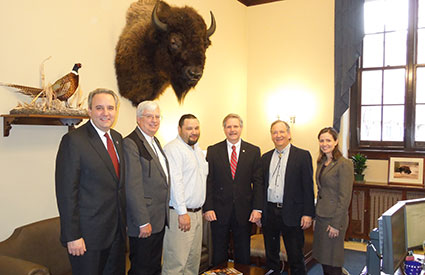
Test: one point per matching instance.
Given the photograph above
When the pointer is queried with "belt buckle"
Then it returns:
(279, 205)
(194, 210)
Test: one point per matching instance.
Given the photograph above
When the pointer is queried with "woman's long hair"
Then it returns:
(336, 153)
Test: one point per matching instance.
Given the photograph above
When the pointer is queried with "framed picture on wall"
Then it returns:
(406, 171)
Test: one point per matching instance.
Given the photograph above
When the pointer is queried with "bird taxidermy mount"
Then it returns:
(161, 45)
(54, 97)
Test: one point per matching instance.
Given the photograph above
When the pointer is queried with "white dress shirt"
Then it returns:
(189, 170)
(154, 146)
(277, 172)
(237, 149)
(103, 138)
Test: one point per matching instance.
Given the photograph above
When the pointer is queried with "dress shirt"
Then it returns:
(157, 151)
(237, 149)
(154, 146)
(103, 138)
(189, 170)
(277, 175)
(229, 149)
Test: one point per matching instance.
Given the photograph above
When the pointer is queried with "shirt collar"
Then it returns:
(194, 145)
(285, 150)
(147, 137)
(100, 132)
(237, 144)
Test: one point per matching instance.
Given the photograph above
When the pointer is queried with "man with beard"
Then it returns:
(188, 171)
(147, 189)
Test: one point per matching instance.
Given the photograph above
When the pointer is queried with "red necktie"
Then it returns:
(233, 162)
(113, 154)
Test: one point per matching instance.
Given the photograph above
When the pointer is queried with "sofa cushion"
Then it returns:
(38, 243)
(258, 249)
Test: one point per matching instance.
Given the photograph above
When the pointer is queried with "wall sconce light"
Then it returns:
(291, 104)
(290, 119)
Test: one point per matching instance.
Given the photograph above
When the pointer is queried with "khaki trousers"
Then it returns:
(182, 250)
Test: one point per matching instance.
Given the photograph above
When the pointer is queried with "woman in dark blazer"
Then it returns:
(334, 179)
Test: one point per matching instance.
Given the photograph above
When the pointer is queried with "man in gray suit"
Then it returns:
(147, 190)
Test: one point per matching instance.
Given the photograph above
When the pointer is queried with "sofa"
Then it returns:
(206, 253)
(35, 249)
(258, 253)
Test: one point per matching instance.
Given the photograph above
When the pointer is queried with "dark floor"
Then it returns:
(354, 263)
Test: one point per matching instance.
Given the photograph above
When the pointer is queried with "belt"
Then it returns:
(190, 209)
(276, 204)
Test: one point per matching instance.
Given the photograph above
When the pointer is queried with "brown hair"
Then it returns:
(233, 116)
(288, 129)
(336, 153)
(101, 91)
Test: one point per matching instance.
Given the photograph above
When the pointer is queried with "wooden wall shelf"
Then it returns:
(24, 119)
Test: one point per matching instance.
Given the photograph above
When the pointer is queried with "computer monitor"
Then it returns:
(400, 228)
(393, 237)
(415, 222)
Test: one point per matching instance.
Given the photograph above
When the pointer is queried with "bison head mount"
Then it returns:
(160, 46)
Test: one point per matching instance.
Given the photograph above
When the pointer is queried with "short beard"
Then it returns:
(191, 142)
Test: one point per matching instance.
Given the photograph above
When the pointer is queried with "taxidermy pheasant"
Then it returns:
(63, 88)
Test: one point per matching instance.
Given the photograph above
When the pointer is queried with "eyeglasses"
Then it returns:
(151, 117)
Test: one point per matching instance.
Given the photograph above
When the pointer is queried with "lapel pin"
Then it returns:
(243, 150)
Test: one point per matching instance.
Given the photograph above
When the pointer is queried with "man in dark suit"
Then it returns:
(289, 199)
(90, 190)
(148, 191)
(234, 197)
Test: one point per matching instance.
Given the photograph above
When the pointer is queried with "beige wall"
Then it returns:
(290, 69)
(290, 72)
(279, 50)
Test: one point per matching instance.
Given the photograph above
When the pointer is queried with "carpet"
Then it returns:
(354, 262)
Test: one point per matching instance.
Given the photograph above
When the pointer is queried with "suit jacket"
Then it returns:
(298, 194)
(245, 192)
(148, 191)
(90, 197)
(334, 191)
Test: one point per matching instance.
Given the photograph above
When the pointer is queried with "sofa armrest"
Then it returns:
(15, 266)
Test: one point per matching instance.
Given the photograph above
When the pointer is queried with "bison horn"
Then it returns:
(157, 23)
(211, 29)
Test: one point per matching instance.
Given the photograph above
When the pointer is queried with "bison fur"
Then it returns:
(159, 46)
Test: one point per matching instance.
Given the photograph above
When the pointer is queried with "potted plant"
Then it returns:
(359, 162)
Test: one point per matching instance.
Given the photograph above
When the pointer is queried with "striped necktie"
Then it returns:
(233, 162)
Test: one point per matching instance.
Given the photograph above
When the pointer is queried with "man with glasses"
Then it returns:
(289, 196)
(147, 190)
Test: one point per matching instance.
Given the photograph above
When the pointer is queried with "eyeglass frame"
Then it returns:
(151, 117)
